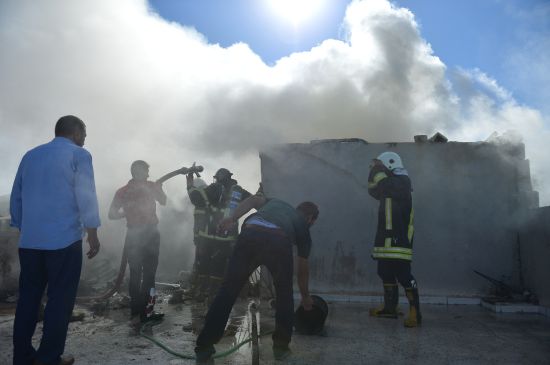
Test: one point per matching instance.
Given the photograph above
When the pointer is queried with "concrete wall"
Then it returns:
(9, 263)
(535, 254)
(4, 205)
(468, 198)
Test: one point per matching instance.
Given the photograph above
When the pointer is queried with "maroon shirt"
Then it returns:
(138, 200)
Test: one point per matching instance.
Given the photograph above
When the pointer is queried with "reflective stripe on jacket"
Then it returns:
(200, 218)
(214, 213)
(395, 230)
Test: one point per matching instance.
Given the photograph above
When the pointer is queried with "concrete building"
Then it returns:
(535, 254)
(9, 264)
(471, 202)
(475, 210)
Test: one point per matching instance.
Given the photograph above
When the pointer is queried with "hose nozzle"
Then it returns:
(194, 169)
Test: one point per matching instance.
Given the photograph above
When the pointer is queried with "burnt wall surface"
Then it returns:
(468, 198)
(535, 254)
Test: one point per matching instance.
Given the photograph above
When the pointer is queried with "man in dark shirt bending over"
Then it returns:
(266, 238)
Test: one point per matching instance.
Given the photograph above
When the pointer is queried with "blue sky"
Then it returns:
(161, 78)
(253, 22)
(470, 34)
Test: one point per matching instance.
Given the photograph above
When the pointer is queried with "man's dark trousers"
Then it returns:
(391, 269)
(213, 257)
(255, 246)
(143, 245)
(60, 271)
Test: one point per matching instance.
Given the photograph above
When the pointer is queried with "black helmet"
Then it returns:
(223, 175)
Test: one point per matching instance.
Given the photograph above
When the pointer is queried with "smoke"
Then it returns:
(154, 90)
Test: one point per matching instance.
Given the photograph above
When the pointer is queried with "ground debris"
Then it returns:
(77, 316)
(11, 299)
(119, 301)
(116, 302)
(177, 297)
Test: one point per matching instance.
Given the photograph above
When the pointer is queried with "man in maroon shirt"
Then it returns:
(137, 202)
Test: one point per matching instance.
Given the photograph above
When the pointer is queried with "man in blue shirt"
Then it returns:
(52, 200)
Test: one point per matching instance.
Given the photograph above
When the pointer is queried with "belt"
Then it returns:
(277, 231)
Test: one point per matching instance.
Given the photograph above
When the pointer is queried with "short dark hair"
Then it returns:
(308, 209)
(136, 165)
(68, 125)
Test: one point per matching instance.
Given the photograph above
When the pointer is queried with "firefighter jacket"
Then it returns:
(200, 201)
(394, 234)
(213, 203)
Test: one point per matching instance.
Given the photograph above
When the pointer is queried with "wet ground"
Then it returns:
(456, 334)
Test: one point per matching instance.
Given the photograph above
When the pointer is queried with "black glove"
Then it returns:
(376, 169)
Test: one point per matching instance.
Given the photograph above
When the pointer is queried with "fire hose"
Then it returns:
(253, 338)
(120, 278)
(117, 284)
(124, 260)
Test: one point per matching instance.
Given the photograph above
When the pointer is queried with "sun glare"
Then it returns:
(296, 11)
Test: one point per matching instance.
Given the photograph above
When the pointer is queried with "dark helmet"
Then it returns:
(223, 175)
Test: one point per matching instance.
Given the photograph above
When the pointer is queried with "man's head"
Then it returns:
(223, 176)
(72, 128)
(310, 212)
(389, 159)
(140, 170)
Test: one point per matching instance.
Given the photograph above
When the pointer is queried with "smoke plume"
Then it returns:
(159, 91)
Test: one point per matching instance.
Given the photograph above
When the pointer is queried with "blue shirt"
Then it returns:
(53, 195)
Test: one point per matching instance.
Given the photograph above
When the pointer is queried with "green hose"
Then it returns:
(187, 356)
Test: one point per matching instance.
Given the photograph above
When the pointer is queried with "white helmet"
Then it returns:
(391, 160)
(199, 183)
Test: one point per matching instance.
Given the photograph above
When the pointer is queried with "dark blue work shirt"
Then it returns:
(291, 221)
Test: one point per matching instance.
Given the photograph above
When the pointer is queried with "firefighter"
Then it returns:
(213, 248)
(195, 191)
(390, 184)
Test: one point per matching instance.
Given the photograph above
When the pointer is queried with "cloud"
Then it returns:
(155, 90)
(528, 57)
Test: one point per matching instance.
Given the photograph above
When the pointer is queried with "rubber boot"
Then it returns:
(391, 297)
(415, 318)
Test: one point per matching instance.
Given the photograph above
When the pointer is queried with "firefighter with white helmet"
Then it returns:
(391, 160)
(390, 184)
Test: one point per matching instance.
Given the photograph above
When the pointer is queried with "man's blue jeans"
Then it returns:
(60, 271)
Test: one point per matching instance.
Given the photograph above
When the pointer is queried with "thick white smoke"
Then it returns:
(154, 90)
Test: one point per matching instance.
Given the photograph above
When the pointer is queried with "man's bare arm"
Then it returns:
(115, 212)
(189, 179)
(93, 241)
(252, 202)
(160, 195)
